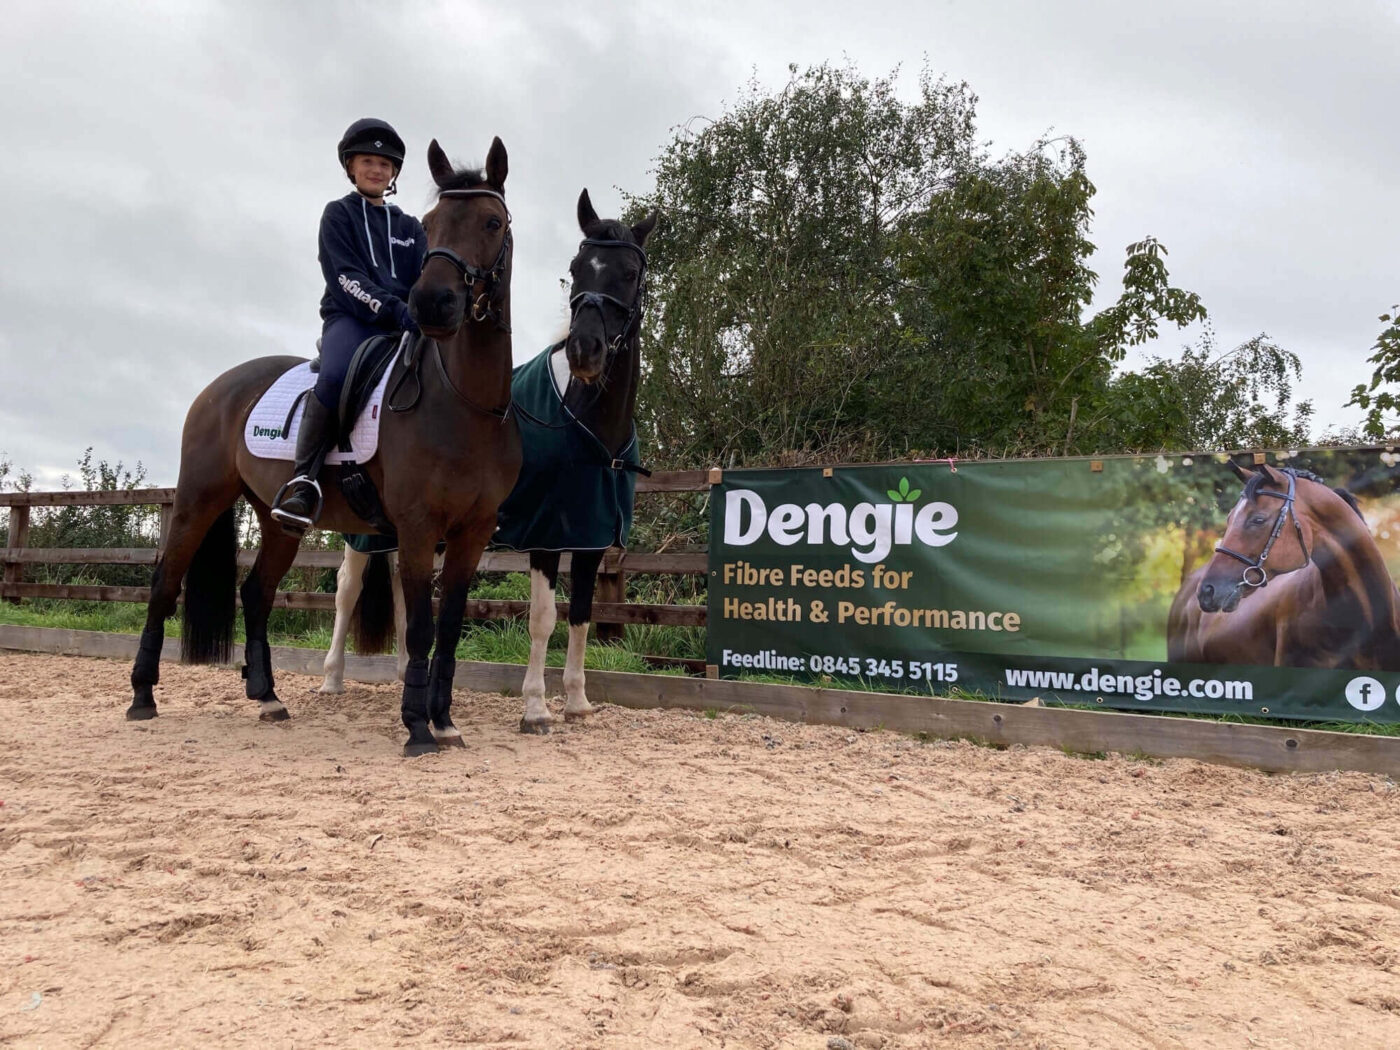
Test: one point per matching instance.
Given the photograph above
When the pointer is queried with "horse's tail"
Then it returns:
(373, 617)
(207, 634)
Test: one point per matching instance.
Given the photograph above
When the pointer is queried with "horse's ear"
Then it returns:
(496, 165)
(643, 228)
(438, 164)
(587, 216)
(1237, 470)
(1272, 475)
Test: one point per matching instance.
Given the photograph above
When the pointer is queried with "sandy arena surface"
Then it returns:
(659, 879)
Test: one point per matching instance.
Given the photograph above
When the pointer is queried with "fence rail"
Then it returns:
(611, 612)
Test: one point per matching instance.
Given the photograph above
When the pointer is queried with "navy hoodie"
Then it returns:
(370, 255)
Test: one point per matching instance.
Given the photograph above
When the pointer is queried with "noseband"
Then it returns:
(485, 306)
(1254, 574)
(584, 300)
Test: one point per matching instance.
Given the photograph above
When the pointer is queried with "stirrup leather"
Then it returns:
(286, 517)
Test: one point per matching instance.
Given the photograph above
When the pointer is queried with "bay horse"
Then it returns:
(1296, 581)
(445, 463)
(575, 404)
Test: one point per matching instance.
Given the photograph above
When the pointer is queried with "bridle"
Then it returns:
(584, 300)
(1255, 566)
(485, 306)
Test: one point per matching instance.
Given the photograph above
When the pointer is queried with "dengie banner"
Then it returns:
(1256, 585)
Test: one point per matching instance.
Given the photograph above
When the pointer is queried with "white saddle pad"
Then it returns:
(263, 432)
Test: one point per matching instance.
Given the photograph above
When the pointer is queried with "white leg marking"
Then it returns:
(400, 615)
(577, 704)
(349, 581)
(542, 617)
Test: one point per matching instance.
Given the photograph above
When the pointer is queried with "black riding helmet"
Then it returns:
(373, 136)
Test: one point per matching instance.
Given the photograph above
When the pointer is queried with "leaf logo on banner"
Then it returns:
(904, 494)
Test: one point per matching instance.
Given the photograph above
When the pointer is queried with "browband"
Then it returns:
(480, 191)
(600, 243)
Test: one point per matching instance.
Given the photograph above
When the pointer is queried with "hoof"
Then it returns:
(578, 716)
(141, 712)
(426, 747)
(537, 728)
(448, 737)
(275, 716)
(334, 688)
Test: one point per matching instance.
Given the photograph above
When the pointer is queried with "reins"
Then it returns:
(413, 363)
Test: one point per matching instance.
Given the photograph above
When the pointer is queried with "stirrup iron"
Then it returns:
(289, 520)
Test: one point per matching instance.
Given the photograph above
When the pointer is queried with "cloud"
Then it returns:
(177, 157)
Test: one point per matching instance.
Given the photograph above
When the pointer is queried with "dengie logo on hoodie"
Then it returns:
(353, 289)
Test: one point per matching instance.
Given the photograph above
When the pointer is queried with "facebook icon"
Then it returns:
(1365, 694)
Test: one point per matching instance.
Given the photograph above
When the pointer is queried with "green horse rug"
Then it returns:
(573, 494)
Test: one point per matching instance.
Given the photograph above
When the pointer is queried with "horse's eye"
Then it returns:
(631, 276)
(1258, 520)
(493, 223)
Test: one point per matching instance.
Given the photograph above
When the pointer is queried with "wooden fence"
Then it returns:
(1278, 748)
(611, 609)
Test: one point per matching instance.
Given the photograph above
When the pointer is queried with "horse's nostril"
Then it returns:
(443, 300)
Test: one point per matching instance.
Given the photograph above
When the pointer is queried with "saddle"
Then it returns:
(367, 367)
(272, 425)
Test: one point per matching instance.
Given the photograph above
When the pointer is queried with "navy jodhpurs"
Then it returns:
(339, 340)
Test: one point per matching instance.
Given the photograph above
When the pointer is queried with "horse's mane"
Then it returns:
(1252, 486)
(463, 179)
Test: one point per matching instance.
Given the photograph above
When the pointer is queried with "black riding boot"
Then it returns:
(298, 504)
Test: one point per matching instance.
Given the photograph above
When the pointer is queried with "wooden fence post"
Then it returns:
(19, 536)
(167, 512)
(612, 587)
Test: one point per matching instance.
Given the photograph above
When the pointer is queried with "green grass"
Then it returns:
(113, 617)
(505, 642)
(510, 587)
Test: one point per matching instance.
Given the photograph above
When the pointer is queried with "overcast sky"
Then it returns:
(167, 162)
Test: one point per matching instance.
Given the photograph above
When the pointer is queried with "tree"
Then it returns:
(1205, 400)
(110, 526)
(1386, 358)
(19, 481)
(843, 275)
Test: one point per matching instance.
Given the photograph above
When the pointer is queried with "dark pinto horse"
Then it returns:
(1296, 581)
(442, 470)
(578, 480)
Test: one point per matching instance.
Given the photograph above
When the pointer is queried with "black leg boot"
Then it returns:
(414, 710)
(440, 702)
(298, 502)
(145, 674)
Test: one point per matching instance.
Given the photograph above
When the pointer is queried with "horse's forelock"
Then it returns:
(463, 179)
(610, 230)
(1257, 481)
(1252, 486)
